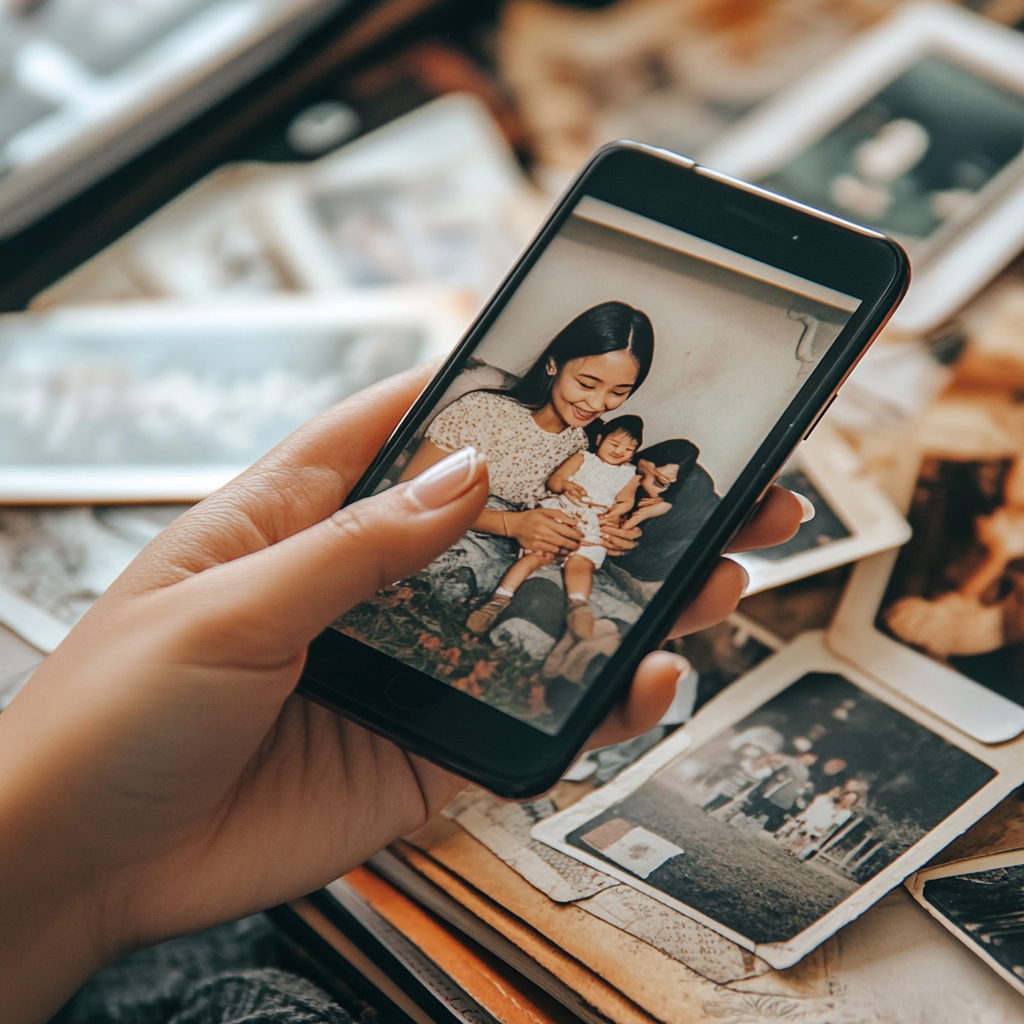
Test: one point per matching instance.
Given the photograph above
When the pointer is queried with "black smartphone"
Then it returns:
(636, 383)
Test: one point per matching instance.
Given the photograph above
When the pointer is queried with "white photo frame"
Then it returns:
(807, 654)
(848, 503)
(974, 937)
(305, 353)
(955, 430)
(970, 246)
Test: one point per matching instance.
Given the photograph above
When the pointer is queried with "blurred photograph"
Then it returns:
(920, 157)
(957, 591)
(916, 129)
(153, 402)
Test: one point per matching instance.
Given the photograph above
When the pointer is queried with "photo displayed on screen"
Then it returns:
(617, 397)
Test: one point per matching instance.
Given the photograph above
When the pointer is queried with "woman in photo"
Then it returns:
(589, 369)
(676, 497)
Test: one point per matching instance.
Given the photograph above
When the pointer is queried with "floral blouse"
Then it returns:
(520, 455)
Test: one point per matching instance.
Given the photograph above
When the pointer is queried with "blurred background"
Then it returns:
(219, 216)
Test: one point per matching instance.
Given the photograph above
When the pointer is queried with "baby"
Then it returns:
(586, 486)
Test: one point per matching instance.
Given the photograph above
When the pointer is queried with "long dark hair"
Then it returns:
(607, 327)
(679, 451)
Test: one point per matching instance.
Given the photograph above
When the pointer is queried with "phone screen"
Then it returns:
(617, 397)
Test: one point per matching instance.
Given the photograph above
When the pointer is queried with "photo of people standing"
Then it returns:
(592, 398)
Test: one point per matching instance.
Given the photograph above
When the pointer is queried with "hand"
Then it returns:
(544, 529)
(158, 775)
(574, 492)
(618, 539)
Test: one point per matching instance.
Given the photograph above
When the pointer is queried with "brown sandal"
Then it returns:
(484, 617)
(580, 618)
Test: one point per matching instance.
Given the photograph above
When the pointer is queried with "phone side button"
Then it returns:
(406, 692)
(828, 405)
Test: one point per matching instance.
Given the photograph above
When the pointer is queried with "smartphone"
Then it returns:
(637, 380)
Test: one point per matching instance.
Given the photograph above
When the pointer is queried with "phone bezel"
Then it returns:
(467, 736)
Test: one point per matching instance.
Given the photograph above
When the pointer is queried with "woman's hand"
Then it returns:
(544, 529)
(158, 774)
(618, 538)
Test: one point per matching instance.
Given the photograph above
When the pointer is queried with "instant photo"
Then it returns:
(916, 129)
(591, 397)
(853, 517)
(957, 591)
(981, 901)
(786, 807)
(921, 156)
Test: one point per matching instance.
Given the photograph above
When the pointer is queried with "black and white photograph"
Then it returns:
(591, 398)
(981, 901)
(853, 517)
(916, 129)
(766, 826)
(152, 402)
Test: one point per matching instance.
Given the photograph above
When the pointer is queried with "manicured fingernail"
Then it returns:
(446, 480)
(806, 508)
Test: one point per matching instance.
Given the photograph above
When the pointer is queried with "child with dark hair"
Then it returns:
(587, 486)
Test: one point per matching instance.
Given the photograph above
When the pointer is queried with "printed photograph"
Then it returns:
(774, 822)
(104, 404)
(987, 908)
(924, 154)
(825, 528)
(591, 397)
(957, 590)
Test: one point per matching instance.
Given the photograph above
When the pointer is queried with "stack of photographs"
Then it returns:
(821, 748)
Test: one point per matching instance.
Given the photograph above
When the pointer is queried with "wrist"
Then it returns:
(52, 938)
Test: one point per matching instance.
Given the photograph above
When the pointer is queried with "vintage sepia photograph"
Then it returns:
(590, 397)
(764, 823)
(966, 608)
(916, 129)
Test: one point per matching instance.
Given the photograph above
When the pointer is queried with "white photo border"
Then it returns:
(864, 509)
(942, 691)
(786, 125)
(971, 866)
(440, 314)
(808, 653)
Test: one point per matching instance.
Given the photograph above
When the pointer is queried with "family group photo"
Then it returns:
(773, 822)
(589, 400)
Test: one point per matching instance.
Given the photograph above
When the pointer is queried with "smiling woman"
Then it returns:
(526, 432)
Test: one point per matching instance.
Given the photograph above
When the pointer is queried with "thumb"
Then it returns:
(278, 599)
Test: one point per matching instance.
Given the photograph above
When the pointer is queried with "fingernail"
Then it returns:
(446, 480)
(806, 508)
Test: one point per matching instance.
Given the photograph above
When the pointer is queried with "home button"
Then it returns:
(409, 691)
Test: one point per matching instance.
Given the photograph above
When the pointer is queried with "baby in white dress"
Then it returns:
(587, 486)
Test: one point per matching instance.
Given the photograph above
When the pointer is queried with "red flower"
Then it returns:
(452, 655)
(429, 641)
